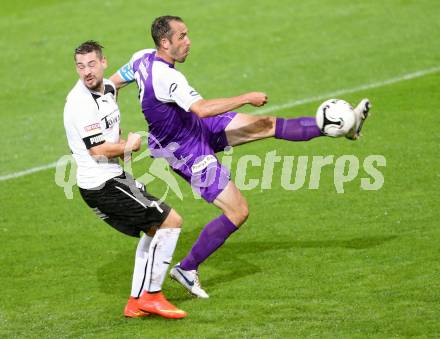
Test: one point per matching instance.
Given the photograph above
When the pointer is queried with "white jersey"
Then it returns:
(90, 119)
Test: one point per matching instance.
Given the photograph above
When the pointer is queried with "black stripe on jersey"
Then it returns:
(94, 140)
(96, 97)
(109, 89)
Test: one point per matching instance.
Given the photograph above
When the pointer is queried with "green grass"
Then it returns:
(307, 262)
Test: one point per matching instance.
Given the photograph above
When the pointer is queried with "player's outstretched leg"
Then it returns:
(361, 113)
(246, 128)
(213, 235)
(160, 254)
(297, 129)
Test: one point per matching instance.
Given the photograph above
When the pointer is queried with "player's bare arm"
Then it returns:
(118, 81)
(114, 150)
(123, 76)
(210, 107)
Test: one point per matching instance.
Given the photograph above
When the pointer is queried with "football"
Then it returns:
(335, 117)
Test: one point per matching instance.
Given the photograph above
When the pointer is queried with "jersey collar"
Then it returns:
(156, 58)
(107, 89)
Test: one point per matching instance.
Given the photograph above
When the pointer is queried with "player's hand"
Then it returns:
(257, 99)
(133, 142)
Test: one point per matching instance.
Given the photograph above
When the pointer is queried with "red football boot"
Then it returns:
(132, 309)
(156, 303)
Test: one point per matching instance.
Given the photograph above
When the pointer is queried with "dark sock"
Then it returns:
(212, 237)
(297, 129)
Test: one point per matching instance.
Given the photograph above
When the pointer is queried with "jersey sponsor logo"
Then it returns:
(173, 88)
(202, 164)
(93, 140)
(97, 139)
(108, 99)
(111, 120)
(92, 127)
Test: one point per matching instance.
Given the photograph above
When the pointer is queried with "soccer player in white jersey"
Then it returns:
(91, 121)
(188, 130)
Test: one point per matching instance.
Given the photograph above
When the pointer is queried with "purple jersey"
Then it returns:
(187, 141)
(165, 98)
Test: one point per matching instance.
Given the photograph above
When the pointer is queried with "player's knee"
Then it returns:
(173, 220)
(244, 212)
(178, 221)
(241, 213)
(265, 124)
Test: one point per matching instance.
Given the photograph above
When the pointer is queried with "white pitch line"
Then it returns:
(28, 171)
(289, 104)
(330, 95)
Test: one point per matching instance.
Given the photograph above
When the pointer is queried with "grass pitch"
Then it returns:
(309, 262)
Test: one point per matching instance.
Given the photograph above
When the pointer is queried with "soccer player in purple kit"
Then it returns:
(188, 130)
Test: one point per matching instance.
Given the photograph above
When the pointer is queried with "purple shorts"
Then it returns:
(195, 159)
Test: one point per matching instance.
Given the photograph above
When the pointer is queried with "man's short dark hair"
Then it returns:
(88, 47)
(160, 28)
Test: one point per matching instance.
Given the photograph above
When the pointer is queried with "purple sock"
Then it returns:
(297, 129)
(212, 237)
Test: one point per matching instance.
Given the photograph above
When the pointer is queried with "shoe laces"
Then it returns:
(197, 280)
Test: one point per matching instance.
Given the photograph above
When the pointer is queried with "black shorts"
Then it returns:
(124, 204)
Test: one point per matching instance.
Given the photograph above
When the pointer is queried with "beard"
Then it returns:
(179, 56)
(93, 85)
